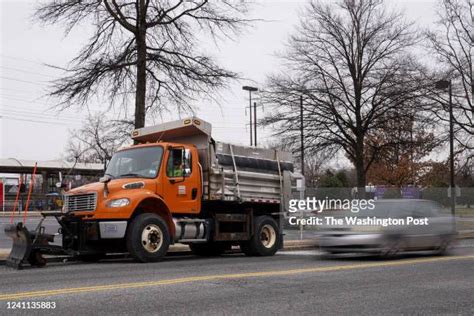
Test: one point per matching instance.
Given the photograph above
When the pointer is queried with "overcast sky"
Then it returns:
(28, 130)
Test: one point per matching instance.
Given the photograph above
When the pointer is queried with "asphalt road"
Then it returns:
(290, 283)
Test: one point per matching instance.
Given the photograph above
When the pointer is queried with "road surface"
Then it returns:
(290, 283)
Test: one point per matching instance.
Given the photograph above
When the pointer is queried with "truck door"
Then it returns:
(182, 180)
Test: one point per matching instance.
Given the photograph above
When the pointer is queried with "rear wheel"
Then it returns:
(148, 238)
(266, 238)
(443, 248)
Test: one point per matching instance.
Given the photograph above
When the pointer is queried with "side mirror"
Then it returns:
(186, 172)
(105, 179)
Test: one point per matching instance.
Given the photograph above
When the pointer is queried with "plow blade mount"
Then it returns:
(22, 249)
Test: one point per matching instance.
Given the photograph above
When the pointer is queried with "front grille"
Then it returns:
(80, 202)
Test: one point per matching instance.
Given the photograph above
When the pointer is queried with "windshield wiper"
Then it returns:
(132, 175)
(110, 175)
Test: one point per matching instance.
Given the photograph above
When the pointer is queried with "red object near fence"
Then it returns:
(30, 189)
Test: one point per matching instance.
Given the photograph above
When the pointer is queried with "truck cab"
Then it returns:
(148, 171)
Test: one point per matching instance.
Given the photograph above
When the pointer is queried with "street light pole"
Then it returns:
(250, 114)
(443, 84)
(250, 90)
(451, 150)
(302, 135)
(255, 123)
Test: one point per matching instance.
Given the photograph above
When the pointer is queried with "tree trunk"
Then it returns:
(360, 167)
(141, 67)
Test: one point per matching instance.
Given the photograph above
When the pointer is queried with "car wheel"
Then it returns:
(392, 247)
(444, 246)
(148, 238)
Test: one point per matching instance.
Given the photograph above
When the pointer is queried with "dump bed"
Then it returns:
(230, 172)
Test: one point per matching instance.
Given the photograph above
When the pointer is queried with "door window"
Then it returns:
(179, 163)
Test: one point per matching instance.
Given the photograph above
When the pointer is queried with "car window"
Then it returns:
(179, 163)
(401, 209)
(430, 209)
(425, 209)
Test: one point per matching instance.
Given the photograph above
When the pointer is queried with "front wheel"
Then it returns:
(265, 240)
(392, 248)
(148, 238)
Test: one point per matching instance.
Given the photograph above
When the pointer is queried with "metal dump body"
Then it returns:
(230, 172)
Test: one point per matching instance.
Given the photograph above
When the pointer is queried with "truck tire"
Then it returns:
(266, 239)
(148, 238)
(209, 249)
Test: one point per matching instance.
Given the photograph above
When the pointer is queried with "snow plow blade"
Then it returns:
(22, 245)
(29, 246)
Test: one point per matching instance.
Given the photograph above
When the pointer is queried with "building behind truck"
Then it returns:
(176, 184)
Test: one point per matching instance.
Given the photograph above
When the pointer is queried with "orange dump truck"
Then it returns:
(176, 185)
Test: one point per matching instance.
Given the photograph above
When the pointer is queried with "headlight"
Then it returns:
(119, 202)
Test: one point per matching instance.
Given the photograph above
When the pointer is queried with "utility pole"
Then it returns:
(443, 84)
(302, 135)
(412, 150)
(250, 90)
(255, 122)
(451, 150)
(250, 114)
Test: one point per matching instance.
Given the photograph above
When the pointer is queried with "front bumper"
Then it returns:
(84, 235)
(112, 229)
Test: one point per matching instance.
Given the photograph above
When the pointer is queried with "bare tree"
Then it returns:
(145, 48)
(98, 139)
(452, 42)
(349, 61)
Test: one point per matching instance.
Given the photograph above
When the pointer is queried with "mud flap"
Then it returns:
(22, 245)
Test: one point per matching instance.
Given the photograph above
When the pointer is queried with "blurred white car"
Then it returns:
(436, 234)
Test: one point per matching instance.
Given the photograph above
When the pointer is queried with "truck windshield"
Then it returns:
(137, 162)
